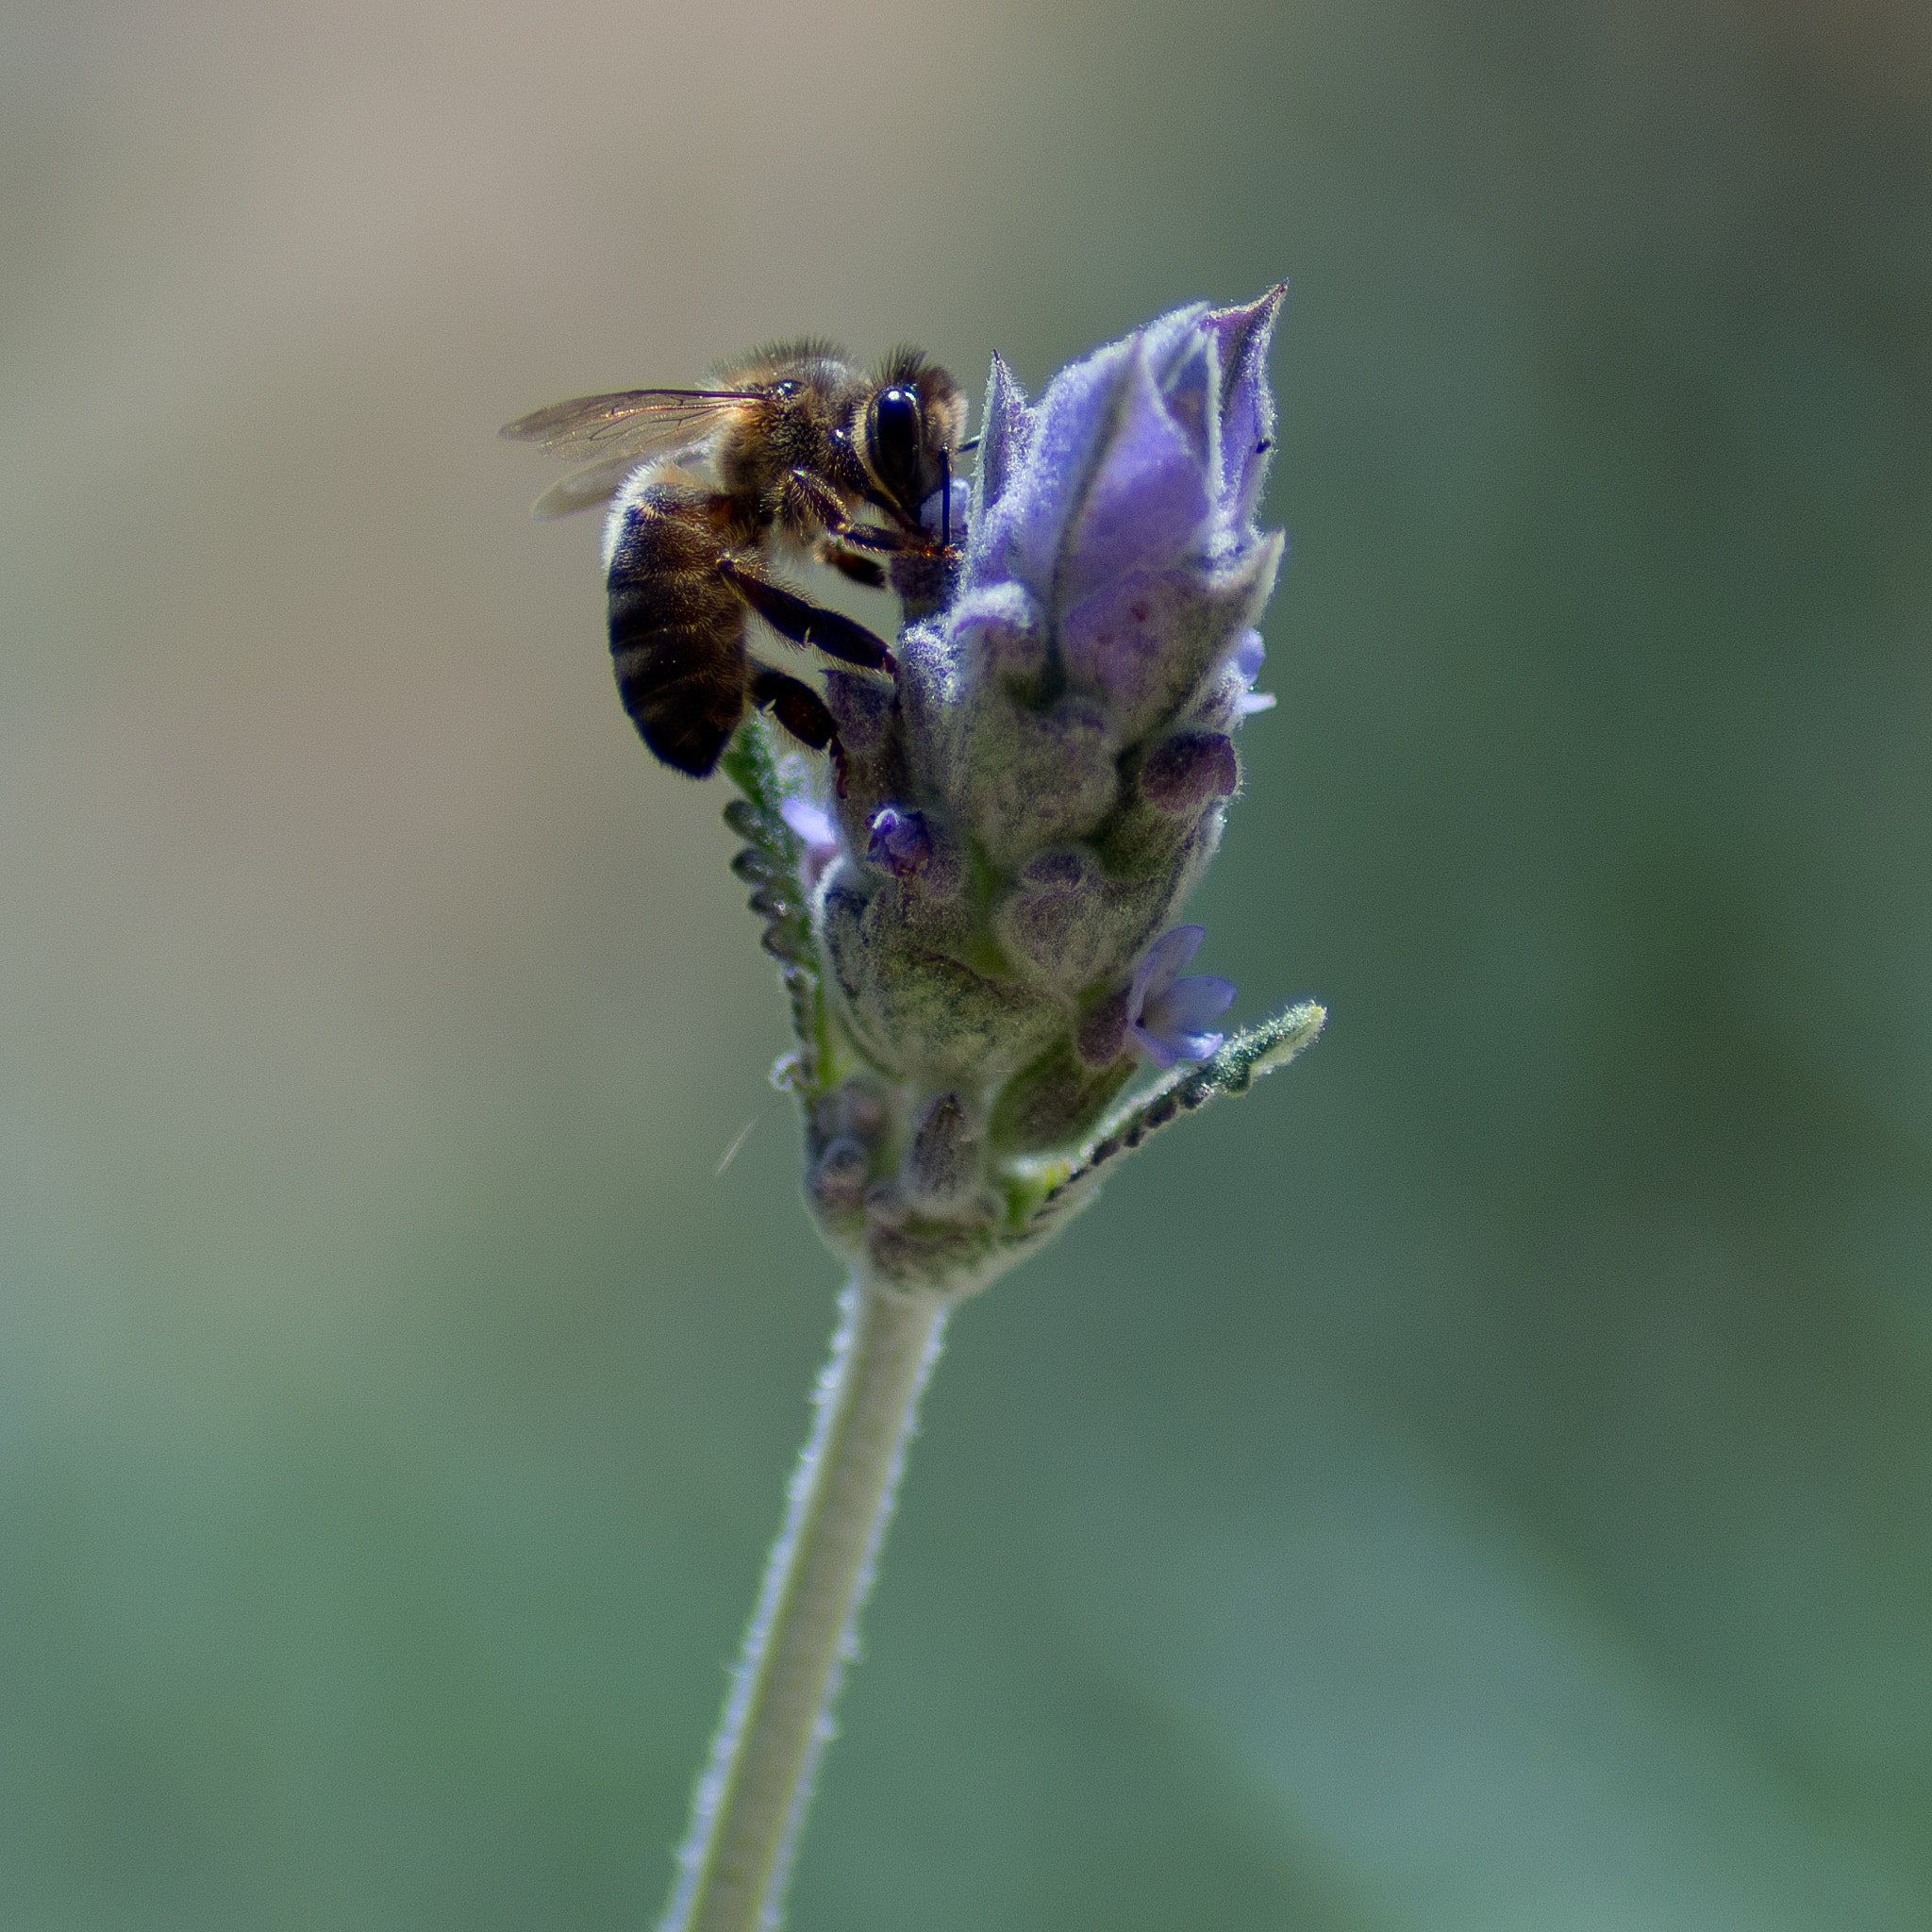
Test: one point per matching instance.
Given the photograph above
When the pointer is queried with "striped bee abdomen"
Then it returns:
(676, 627)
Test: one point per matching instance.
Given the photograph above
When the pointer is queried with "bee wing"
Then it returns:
(583, 488)
(631, 423)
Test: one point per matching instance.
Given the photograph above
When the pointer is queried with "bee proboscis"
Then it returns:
(784, 453)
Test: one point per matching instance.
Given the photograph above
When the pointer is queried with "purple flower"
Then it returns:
(1167, 1015)
(816, 833)
(1247, 660)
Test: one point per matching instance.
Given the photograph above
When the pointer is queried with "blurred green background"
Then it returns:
(1481, 1482)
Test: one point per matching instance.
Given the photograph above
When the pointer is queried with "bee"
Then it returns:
(782, 458)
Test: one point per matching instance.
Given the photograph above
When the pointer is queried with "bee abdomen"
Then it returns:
(676, 629)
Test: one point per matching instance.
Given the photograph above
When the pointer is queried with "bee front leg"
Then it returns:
(791, 617)
(804, 500)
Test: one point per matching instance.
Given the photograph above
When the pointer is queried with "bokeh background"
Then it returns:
(1481, 1482)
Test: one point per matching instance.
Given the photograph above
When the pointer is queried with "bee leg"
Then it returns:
(802, 712)
(876, 536)
(804, 500)
(791, 617)
(861, 569)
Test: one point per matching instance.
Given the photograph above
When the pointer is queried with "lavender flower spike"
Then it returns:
(976, 929)
(1167, 1016)
(1023, 812)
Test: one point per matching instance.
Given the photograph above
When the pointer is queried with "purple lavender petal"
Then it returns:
(1119, 641)
(1248, 658)
(1193, 390)
(1164, 960)
(1247, 415)
(1189, 1003)
(811, 822)
(1198, 1047)
(1147, 501)
(1169, 338)
(1069, 426)
(1005, 424)
(1155, 1049)
(999, 630)
(1165, 1013)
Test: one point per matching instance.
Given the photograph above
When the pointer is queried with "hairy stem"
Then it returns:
(749, 1804)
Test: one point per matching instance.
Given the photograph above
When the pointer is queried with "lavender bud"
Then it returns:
(899, 842)
(1102, 1037)
(1184, 771)
(944, 1164)
(838, 1180)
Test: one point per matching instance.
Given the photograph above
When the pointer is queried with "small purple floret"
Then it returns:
(1247, 660)
(900, 843)
(816, 833)
(1167, 1016)
(810, 821)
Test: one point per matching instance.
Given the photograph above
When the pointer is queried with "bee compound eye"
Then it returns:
(898, 419)
(895, 436)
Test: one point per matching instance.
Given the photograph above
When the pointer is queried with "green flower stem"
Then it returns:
(753, 1796)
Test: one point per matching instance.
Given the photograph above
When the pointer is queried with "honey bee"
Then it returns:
(780, 458)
